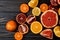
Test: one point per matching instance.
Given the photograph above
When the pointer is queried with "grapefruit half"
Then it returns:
(49, 19)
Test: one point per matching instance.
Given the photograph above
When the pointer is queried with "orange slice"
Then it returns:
(57, 31)
(43, 7)
(33, 3)
(36, 27)
(18, 36)
(24, 8)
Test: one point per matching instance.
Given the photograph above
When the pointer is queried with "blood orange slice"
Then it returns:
(58, 1)
(47, 33)
(49, 19)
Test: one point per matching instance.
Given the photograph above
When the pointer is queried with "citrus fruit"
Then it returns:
(36, 11)
(21, 18)
(36, 27)
(18, 36)
(49, 19)
(43, 7)
(33, 3)
(53, 8)
(54, 2)
(59, 11)
(57, 31)
(23, 28)
(30, 19)
(58, 2)
(11, 25)
(24, 8)
(47, 33)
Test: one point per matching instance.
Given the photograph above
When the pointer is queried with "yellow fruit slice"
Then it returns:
(36, 27)
(59, 11)
(36, 11)
(33, 3)
(57, 31)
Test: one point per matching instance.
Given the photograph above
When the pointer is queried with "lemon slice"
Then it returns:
(33, 3)
(36, 11)
(57, 31)
(36, 27)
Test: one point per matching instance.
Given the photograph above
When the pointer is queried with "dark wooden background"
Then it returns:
(8, 10)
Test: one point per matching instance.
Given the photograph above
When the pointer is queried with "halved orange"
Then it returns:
(44, 7)
(24, 8)
(18, 36)
(36, 27)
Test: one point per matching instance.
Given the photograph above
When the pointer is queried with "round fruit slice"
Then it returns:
(24, 8)
(23, 28)
(43, 7)
(36, 11)
(33, 3)
(36, 27)
(58, 1)
(30, 19)
(47, 33)
(59, 11)
(57, 31)
(49, 19)
(21, 18)
(18, 36)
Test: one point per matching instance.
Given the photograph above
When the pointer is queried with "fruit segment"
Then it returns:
(33, 3)
(36, 27)
(47, 33)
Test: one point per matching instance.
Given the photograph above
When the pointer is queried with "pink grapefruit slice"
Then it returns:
(49, 19)
(47, 33)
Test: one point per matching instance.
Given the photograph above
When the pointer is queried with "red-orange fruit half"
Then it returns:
(30, 19)
(49, 19)
(58, 2)
(23, 28)
(21, 18)
(47, 33)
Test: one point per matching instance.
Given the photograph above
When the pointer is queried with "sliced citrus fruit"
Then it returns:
(30, 19)
(59, 11)
(58, 2)
(24, 8)
(47, 33)
(36, 27)
(33, 3)
(23, 28)
(43, 7)
(57, 31)
(18, 36)
(36, 11)
(49, 19)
